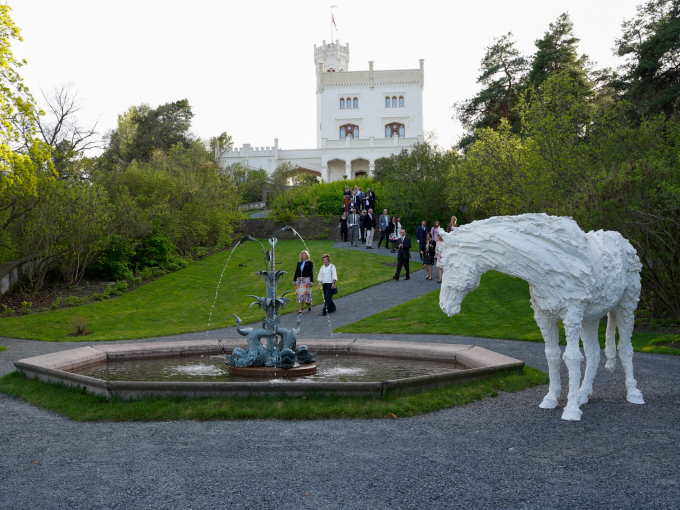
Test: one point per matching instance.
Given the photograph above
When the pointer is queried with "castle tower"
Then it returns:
(331, 58)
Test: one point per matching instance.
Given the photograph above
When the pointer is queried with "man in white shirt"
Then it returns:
(369, 228)
(353, 225)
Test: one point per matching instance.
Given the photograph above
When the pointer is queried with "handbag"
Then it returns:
(334, 290)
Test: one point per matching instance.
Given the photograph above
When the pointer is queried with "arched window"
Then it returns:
(342, 104)
(394, 102)
(394, 129)
(360, 174)
(331, 70)
(387, 102)
(356, 103)
(401, 102)
(349, 131)
(349, 102)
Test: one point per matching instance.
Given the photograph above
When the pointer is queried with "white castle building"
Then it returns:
(362, 116)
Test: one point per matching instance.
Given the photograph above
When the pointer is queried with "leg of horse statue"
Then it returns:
(610, 342)
(551, 336)
(624, 321)
(572, 358)
(591, 346)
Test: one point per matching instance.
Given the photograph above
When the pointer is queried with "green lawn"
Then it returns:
(181, 302)
(77, 405)
(498, 308)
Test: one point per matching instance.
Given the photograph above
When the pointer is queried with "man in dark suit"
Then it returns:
(420, 234)
(383, 223)
(369, 228)
(404, 254)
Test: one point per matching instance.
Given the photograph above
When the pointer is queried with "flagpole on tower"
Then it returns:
(333, 22)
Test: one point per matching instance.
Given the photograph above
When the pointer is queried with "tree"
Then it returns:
(142, 130)
(651, 46)
(22, 154)
(557, 53)
(62, 131)
(503, 70)
(413, 181)
(219, 145)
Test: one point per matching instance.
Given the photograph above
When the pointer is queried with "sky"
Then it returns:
(247, 67)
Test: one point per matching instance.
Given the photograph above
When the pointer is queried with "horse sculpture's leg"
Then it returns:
(591, 346)
(572, 358)
(624, 321)
(610, 342)
(551, 335)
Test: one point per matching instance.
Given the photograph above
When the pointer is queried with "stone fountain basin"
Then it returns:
(471, 363)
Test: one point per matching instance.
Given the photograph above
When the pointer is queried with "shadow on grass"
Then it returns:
(77, 405)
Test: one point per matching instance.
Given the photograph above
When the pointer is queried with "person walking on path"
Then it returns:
(327, 278)
(370, 199)
(353, 224)
(369, 229)
(427, 247)
(392, 233)
(435, 237)
(362, 229)
(304, 278)
(383, 223)
(404, 246)
(343, 226)
(420, 235)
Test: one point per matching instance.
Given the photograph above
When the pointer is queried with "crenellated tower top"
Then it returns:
(333, 56)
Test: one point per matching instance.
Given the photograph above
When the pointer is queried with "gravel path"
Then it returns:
(502, 452)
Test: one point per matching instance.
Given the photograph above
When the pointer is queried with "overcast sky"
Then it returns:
(247, 67)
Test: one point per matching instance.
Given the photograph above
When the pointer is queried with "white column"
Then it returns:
(348, 169)
(326, 172)
(371, 168)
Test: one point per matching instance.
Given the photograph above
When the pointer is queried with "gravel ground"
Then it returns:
(501, 452)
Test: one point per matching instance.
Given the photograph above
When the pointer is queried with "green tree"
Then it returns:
(413, 181)
(142, 130)
(651, 46)
(557, 52)
(503, 70)
(22, 154)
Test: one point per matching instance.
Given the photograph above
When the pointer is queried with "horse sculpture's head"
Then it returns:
(461, 274)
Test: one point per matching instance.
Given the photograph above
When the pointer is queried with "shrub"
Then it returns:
(115, 262)
(6, 311)
(79, 326)
(121, 286)
(74, 301)
(55, 304)
(26, 306)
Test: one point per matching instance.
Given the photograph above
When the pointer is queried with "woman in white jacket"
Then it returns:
(327, 278)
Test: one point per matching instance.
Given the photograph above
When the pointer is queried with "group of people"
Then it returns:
(362, 227)
(357, 199)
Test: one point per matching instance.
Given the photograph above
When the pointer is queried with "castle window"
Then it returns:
(387, 102)
(356, 103)
(394, 129)
(394, 102)
(401, 102)
(349, 131)
(342, 104)
(349, 102)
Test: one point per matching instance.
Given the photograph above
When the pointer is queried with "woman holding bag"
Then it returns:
(327, 278)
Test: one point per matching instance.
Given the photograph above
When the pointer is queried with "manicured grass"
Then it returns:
(181, 302)
(77, 405)
(2, 348)
(498, 308)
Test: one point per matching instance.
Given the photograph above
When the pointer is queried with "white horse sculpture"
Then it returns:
(573, 277)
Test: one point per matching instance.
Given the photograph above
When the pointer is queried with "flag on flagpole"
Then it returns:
(333, 20)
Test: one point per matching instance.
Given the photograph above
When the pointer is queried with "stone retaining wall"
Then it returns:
(13, 272)
(320, 228)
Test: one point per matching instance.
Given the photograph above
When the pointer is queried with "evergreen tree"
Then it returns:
(651, 45)
(503, 70)
(557, 53)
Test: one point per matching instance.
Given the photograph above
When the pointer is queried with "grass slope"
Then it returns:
(80, 406)
(181, 302)
(498, 308)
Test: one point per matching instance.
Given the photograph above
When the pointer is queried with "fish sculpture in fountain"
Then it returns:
(573, 277)
(281, 348)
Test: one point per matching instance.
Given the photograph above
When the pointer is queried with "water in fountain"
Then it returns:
(217, 290)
